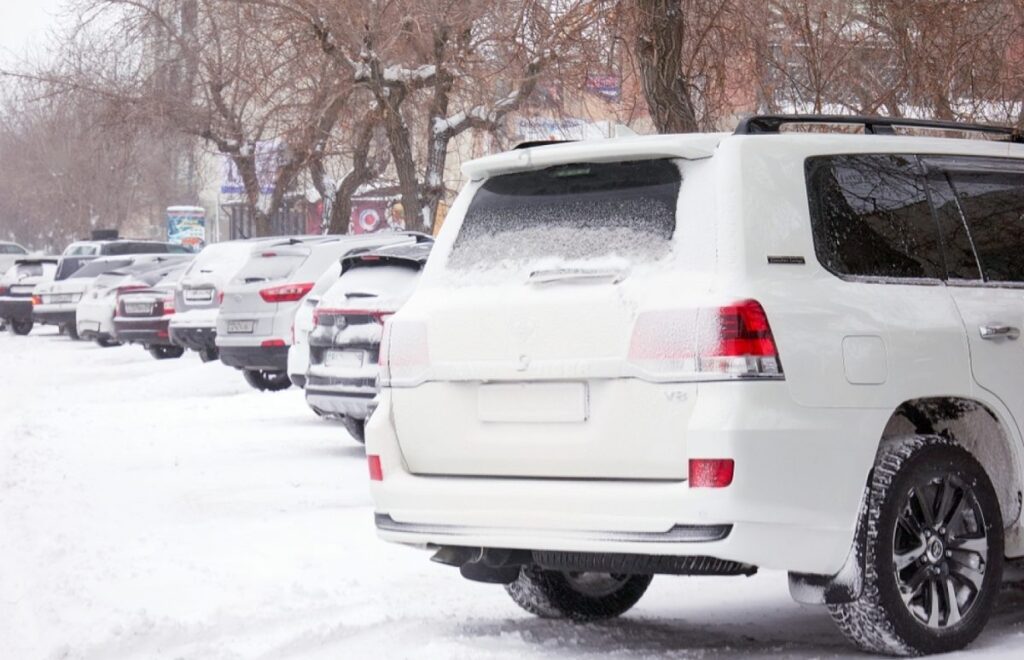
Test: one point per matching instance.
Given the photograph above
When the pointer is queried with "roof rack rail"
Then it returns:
(874, 125)
(530, 144)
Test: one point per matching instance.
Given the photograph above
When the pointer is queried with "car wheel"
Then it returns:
(21, 327)
(106, 342)
(356, 428)
(576, 596)
(166, 352)
(267, 381)
(209, 354)
(933, 554)
(70, 330)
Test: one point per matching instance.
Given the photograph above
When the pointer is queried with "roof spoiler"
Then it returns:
(760, 124)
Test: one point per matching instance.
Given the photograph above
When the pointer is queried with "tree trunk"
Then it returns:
(659, 51)
(246, 165)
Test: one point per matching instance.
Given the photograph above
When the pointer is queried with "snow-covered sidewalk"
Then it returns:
(165, 510)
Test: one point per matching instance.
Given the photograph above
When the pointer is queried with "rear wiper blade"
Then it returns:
(551, 275)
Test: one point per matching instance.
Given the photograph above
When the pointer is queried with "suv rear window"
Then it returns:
(96, 268)
(574, 211)
(118, 249)
(261, 268)
(870, 217)
(7, 248)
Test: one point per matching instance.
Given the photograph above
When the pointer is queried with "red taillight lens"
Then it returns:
(376, 314)
(732, 341)
(376, 473)
(168, 305)
(711, 472)
(3, 291)
(37, 300)
(220, 298)
(404, 354)
(286, 292)
(273, 343)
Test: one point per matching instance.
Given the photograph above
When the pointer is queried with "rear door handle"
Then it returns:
(999, 332)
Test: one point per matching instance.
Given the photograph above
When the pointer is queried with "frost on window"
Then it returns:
(571, 212)
(870, 217)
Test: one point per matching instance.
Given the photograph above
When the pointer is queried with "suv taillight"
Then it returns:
(404, 356)
(286, 292)
(731, 341)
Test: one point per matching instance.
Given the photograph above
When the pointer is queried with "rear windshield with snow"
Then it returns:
(577, 211)
(96, 268)
(263, 267)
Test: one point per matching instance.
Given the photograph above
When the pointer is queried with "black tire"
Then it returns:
(925, 490)
(107, 342)
(21, 326)
(267, 381)
(166, 352)
(70, 330)
(209, 354)
(557, 595)
(356, 428)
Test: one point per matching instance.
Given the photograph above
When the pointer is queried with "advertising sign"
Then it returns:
(186, 225)
(268, 161)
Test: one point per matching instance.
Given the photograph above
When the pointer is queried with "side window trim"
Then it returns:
(944, 166)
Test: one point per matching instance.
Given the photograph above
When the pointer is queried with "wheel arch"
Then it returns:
(978, 428)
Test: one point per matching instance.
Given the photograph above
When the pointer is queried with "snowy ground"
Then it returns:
(165, 510)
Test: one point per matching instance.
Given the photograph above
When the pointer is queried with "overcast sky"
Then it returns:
(23, 26)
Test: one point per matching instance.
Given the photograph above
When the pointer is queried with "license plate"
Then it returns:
(60, 298)
(199, 295)
(241, 327)
(343, 359)
(533, 402)
(138, 308)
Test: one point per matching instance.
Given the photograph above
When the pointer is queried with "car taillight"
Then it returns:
(404, 354)
(168, 305)
(376, 473)
(220, 298)
(711, 472)
(320, 314)
(273, 343)
(37, 300)
(731, 341)
(286, 292)
(3, 291)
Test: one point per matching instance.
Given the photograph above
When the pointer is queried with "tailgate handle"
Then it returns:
(551, 275)
(999, 332)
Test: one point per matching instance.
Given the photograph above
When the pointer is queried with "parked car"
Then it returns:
(55, 302)
(302, 325)
(80, 252)
(16, 286)
(345, 342)
(709, 354)
(255, 320)
(9, 253)
(94, 316)
(143, 316)
(198, 295)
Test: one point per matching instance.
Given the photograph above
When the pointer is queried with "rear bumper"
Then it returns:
(793, 505)
(269, 358)
(146, 331)
(196, 338)
(16, 309)
(53, 315)
(339, 401)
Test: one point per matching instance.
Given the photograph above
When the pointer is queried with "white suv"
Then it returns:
(709, 354)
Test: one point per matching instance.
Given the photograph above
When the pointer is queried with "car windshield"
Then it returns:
(96, 268)
(10, 248)
(578, 211)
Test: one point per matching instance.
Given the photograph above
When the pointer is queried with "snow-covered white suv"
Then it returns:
(709, 354)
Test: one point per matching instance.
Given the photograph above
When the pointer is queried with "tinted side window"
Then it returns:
(961, 263)
(870, 217)
(993, 204)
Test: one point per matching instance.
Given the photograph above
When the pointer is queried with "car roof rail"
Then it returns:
(760, 124)
(530, 144)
